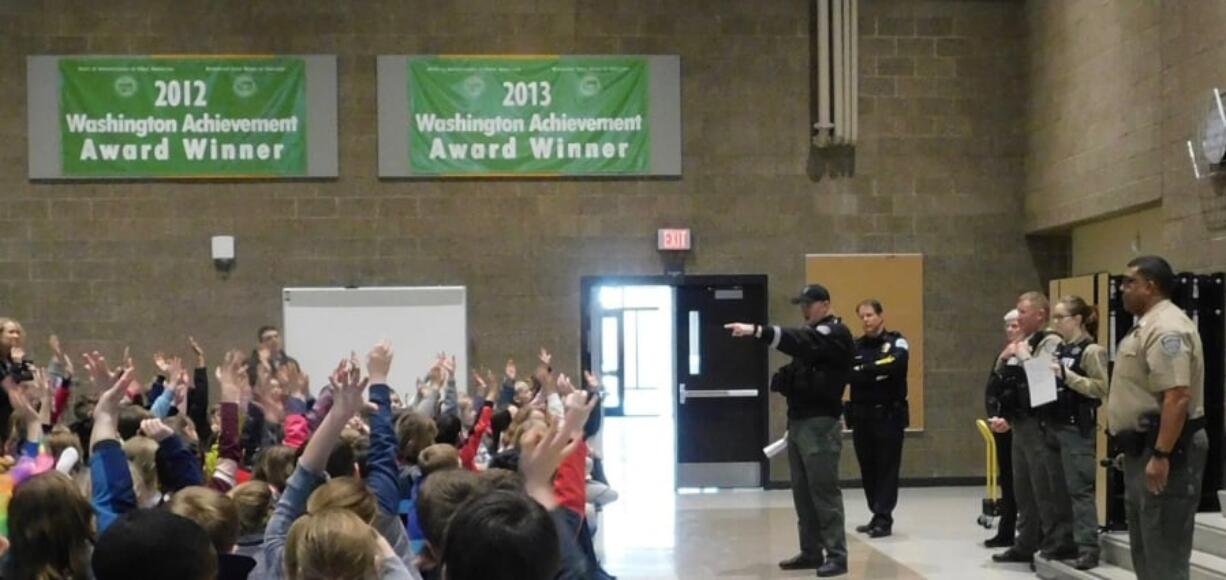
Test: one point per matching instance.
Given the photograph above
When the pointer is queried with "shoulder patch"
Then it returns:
(1172, 344)
(902, 343)
(824, 329)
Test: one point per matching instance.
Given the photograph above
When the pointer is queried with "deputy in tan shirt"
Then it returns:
(1158, 385)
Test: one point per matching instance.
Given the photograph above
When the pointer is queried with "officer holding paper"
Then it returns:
(1043, 505)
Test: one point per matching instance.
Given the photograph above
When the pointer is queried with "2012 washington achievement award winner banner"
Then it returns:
(182, 117)
(493, 116)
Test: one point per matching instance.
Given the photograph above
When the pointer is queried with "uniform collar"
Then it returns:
(829, 318)
(1154, 311)
(879, 338)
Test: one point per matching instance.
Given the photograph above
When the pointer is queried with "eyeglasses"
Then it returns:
(1058, 317)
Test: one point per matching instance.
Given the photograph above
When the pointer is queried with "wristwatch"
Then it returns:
(1160, 454)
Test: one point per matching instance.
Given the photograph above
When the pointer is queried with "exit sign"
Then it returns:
(673, 239)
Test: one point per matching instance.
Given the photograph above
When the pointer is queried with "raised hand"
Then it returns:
(57, 353)
(511, 370)
(156, 430)
(564, 386)
(350, 385)
(448, 364)
(579, 407)
(539, 458)
(196, 349)
(593, 384)
(159, 360)
(21, 400)
(99, 372)
(232, 376)
(545, 357)
(379, 362)
(478, 381)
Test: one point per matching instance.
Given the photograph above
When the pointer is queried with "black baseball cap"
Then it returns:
(812, 293)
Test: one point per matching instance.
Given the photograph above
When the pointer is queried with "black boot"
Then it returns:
(832, 568)
(801, 562)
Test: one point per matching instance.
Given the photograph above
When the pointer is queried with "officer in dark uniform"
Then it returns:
(878, 414)
(813, 383)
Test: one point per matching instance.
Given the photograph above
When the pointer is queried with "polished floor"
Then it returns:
(652, 532)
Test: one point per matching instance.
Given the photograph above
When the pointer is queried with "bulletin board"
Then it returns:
(897, 281)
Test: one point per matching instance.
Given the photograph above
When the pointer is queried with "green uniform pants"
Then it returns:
(1160, 526)
(814, 446)
(1077, 455)
(1044, 513)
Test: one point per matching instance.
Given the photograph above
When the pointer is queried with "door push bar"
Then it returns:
(713, 393)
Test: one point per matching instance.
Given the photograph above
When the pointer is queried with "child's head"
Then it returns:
(130, 417)
(154, 545)
(84, 408)
(448, 430)
(468, 413)
(142, 458)
(255, 502)
(514, 535)
(438, 457)
(274, 465)
(345, 493)
(332, 544)
(211, 510)
(51, 528)
(415, 432)
(441, 494)
(523, 393)
(62, 438)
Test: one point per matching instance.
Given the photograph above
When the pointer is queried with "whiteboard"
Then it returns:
(323, 325)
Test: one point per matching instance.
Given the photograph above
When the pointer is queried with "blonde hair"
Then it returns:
(1011, 316)
(344, 493)
(212, 510)
(1036, 299)
(274, 465)
(142, 459)
(254, 500)
(60, 439)
(438, 457)
(332, 544)
(4, 322)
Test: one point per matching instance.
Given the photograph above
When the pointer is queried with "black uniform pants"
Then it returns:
(878, 442)
(1004, 470)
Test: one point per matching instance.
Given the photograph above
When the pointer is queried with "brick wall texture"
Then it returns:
(1115, 89)
(939, 171)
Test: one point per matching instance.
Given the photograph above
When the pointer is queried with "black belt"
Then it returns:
(1136, 443)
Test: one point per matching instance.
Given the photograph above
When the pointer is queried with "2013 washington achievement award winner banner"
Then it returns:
(492, 116)
(182, 117)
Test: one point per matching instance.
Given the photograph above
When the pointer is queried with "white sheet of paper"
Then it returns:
(777, 447)
(1041, 380)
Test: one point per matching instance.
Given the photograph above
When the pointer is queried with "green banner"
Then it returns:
(183, 117)
(527, 116)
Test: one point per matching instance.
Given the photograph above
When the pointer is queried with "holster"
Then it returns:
(1136, 443)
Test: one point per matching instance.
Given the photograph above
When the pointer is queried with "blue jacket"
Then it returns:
(112, 493)
(177, 466)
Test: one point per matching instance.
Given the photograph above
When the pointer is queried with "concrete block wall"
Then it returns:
(939, 171)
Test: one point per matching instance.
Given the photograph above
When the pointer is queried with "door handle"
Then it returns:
(684, 394)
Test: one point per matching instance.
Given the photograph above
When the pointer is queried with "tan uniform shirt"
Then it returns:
(1162, 351)
(1093, 383)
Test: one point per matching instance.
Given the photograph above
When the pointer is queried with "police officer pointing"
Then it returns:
(878, 414)
(813, 383)
(1156, 411)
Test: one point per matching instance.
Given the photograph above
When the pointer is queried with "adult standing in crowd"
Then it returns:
(995, 406)
(878, 413)
(269, 352)
(1156, 411)
(813, 383)
(1081, 385)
